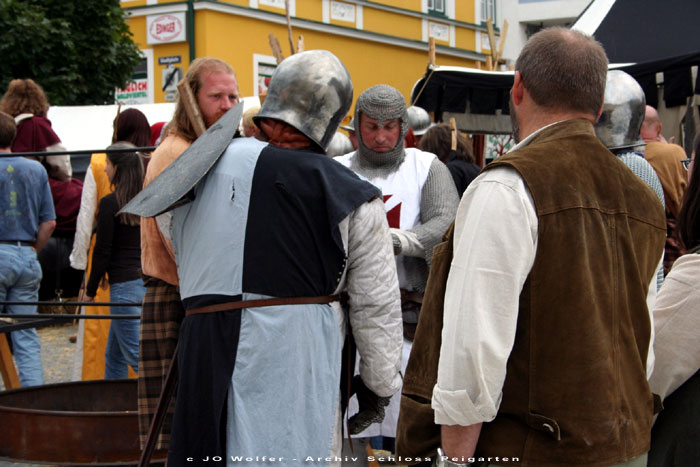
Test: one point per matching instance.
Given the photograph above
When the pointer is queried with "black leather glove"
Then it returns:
(371, 407)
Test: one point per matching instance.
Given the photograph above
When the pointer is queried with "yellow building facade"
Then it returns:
(382, 41)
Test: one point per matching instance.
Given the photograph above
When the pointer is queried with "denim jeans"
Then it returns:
(123, 340)
(20, 277)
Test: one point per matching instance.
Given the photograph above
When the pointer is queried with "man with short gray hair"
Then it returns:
(546, 332)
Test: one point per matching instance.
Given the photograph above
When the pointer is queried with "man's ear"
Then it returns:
(518, 89)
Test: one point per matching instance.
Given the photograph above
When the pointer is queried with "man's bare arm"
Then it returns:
(459, 442)
(43, 234)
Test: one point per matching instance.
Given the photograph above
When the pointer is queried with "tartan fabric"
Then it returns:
(161, 317)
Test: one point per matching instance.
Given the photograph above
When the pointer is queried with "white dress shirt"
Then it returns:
(495, 244)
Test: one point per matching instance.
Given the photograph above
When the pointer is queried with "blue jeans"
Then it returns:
(20, 277)
(123, 340)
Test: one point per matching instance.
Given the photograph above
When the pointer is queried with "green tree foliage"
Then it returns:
(77, 51)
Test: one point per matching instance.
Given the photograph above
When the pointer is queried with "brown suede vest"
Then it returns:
(576, 391)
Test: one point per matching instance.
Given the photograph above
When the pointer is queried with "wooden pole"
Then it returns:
(453, 132)
(370, 455)
(431, 64)
(300, 43)
(276, 50)
(191, 108)
(492, 39)
(166, 395)
(502, 41)
(289, 27)
(116, 123)
(7, 365)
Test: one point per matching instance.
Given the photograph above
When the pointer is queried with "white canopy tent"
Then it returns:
(90, 127)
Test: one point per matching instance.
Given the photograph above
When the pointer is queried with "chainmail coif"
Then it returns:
(381, 102)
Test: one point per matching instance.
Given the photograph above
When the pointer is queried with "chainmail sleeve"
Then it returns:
(644, 170)
(438, 207)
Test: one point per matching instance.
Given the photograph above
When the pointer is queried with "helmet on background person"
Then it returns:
(623, 113)
(418, 120)
(339, 145)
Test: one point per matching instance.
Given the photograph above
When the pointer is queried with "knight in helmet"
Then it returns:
(619, 129)
(420, 199)
(275, 232)
(418, 121)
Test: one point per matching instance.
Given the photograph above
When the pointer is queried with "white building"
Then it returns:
(526, 17)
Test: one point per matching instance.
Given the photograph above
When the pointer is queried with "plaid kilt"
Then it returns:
(161, 317)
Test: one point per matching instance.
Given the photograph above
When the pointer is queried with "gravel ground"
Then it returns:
(57, 355)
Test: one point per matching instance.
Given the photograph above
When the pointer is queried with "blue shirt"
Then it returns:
(25, 198)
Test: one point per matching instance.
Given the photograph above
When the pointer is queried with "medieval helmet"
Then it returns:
(623, 112)
(418, 120)
(339, 145)
(310, 91)
(350, 126)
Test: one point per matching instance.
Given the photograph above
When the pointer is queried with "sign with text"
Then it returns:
(170, 60)
(136, 92)
(343, 11)
(163, 29)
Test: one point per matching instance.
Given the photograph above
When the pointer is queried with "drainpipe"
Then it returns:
(190, 28)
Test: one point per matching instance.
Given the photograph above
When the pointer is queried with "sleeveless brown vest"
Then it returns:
(576, 391)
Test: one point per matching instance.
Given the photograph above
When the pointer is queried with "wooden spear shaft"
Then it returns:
(191, 107)
(289, 27)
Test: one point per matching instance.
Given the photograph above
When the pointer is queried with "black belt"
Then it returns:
(17, 242)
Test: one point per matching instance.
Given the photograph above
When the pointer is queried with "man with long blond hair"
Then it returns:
(214, 86)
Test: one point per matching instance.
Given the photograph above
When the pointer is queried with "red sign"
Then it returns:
(166, 28)
(135, 86)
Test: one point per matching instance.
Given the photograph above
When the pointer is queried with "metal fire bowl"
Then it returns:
(78, 423)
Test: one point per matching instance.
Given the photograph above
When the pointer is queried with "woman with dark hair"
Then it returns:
(131, 126)
(676, 377)
(118, 254)
(460, 161)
